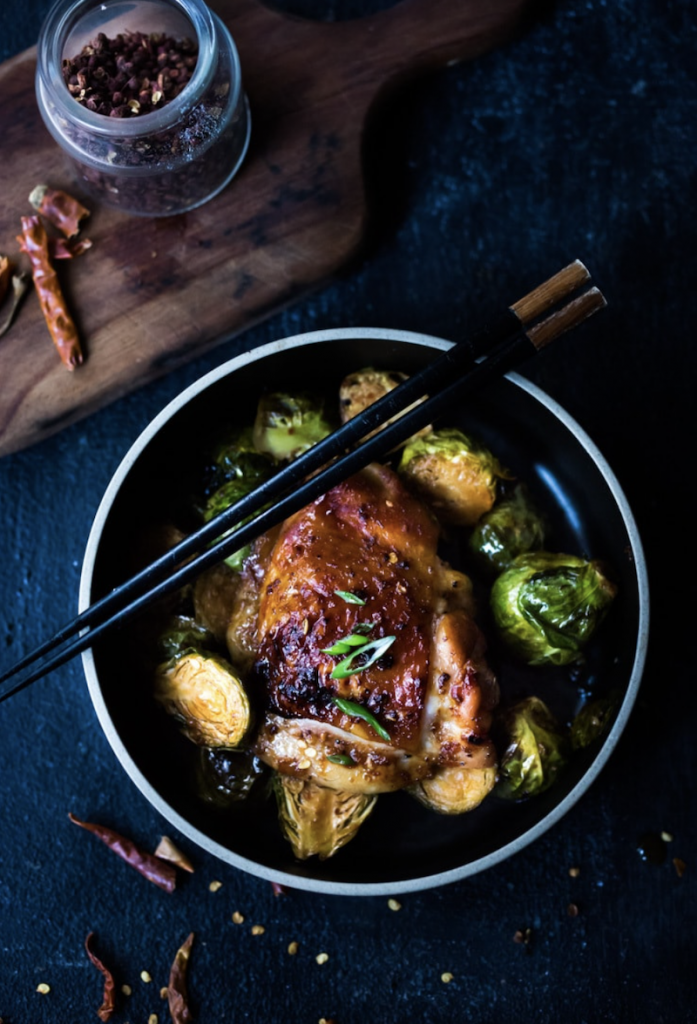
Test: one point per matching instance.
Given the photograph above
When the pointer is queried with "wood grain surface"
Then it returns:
(154, 293)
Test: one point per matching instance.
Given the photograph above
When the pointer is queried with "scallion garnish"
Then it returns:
(348, 597)
(375, 648)
(358, 638)
(343, 759)
(349, 707)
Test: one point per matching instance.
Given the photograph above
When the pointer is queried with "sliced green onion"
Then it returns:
(348, 597)
(341, 759)
(376, 648)
(349, 707)
(345, 645)
(355, 639)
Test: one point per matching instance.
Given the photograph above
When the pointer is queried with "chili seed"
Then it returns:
(322, 958)
(43, 988)
(293, 948)
(258, 929)
(446, 977)
(237, 917)
(394, 904)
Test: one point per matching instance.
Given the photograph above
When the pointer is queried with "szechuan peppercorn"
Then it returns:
(132, 74)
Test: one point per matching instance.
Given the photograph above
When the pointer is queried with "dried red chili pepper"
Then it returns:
(34, 242)
(177, 995)
(65, 249)
(20, 284)
(109, 999)
(5, 276)
(154, 869)
(61, 209)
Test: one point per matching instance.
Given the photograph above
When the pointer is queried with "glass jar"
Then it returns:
(183, 150)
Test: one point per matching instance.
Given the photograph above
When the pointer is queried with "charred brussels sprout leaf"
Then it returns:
(536, 750)
(287, 425)
(512, 527)
(593, 720)
(316, 820)
(206, 697)
(238, 459)
(228, 777)
(456, 476)
(547, 606)
(245, 470)
(183, 635)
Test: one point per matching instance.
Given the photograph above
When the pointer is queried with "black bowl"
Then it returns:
(402, 846)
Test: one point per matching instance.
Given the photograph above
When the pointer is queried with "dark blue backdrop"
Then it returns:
(576, 140)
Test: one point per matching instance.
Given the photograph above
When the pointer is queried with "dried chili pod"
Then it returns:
(5, 276)
(177, 995)
(34, 242)
(20, 283)
(166, 850)
(155, 870)
(67, 249)
(61, 209)
(109, 999)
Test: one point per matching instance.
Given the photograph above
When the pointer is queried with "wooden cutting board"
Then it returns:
(154, 293)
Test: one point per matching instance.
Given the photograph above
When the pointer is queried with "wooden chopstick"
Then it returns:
(508, 341)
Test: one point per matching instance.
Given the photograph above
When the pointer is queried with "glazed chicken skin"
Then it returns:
(431, 693)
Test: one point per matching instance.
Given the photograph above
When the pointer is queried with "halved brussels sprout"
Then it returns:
(203, 693)
(512, 527)
(547, 606)
(316, 820)
(455, 789)
(287, 425)
(536, 750)
(361, 389)
(456, 476)
(227, 777)
(594, 719)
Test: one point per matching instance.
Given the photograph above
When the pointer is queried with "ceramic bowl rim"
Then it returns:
(323, 885)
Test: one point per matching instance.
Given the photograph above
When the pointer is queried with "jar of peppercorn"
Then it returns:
(146, 98)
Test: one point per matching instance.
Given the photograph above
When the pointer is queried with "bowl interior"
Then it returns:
(402, 845)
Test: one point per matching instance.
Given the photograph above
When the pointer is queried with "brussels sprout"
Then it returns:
(593, 720)
(287, 425)
(244, 469)
(214, 595)
(455, 789)
(204, 694)
(317, 820)
(182, 635)
(536, 750)
(511, 528)
(237, 458)
(361, 389)
(455, 475)
(547, 606)
(227, 777)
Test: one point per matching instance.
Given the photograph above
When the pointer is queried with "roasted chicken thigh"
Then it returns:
(362, 561)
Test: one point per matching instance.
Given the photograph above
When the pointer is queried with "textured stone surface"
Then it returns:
(576, 140)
